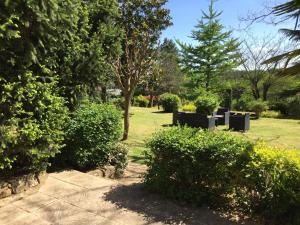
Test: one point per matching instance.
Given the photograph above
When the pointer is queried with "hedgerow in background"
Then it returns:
(141, 101)
(170, 102)
(91, 135)
(32, 119)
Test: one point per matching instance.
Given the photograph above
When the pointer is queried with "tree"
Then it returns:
(254, 51)
(171, 74)
(142, 22)
(214, 53)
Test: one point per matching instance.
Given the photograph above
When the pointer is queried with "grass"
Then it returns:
(145, 121)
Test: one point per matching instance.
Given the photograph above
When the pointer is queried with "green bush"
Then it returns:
(190, 107)
(242, 104)
(258, 106)
(170, 102)
(119, 158)
(271, 114)
(118, 102)
(294, 106)
(92, 134)
(206, 104)
(32, 119)
(221, 170)
(141, 101)
(272, 180)
(193, 165)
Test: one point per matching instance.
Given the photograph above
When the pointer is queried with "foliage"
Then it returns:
(272, 179)
(221, 170)
(32, 118)
(91, 135)
(118, 158)
(194, 165)
(206, 104)
(271, 114)
(141, 101)
(170, 102)
(215, 51)
(242, 103)
(118, 102)
(258, 106)
(190, 107)
(294, 106)
(142, 22)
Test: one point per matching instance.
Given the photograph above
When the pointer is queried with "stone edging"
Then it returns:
(14, 187)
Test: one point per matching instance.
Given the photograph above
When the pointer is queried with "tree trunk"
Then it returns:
(265, 92)
(127, 98)
(103, 94)
(151, 100)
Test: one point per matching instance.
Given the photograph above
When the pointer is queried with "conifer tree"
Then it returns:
(214, 53)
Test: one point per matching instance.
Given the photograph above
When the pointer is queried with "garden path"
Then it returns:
(75, 198)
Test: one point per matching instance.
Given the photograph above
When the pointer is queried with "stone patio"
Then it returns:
(75, 198)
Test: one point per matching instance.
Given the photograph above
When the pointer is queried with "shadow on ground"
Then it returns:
(155, 209)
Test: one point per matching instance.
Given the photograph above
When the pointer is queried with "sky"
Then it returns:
(186, 13)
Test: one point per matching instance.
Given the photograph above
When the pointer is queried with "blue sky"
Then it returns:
(186, 13)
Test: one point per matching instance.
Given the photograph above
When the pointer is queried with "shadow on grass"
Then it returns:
(137, 159)
(155, 209)
(161, 112)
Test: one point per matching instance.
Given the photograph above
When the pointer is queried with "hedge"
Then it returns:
(225, 171)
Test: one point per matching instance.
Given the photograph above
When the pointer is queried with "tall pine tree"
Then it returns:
(214, 53)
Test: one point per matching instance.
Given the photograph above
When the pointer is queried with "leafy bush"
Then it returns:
(141, 101)
(206, 104)
(118, 102)
(118, 158)
(203, 167)
(170, 102)
(272, 181)
(32, 119)
(271, 114)
(194, 165)
(190, 107)
(242, 104)
(258, 106)
(92, 135)
(281, 106)
(294, 106)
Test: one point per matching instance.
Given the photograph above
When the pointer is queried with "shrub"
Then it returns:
(141, 101)
(118, 102)
(170, 102)
(258, 106)
(118, 158)
(294, 106)
(281, 106)
(92, 135)
(242, 104)
(271, 114)
(32, 119)
(206, 104)
(272, 180)
(218, 169)
(194, 165)
(190, 107)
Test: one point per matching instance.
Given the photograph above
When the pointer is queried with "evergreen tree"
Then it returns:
(214, 53)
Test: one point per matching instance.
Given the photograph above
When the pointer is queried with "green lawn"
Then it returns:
(145, 121)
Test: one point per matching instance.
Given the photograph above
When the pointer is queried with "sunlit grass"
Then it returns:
(145, 121)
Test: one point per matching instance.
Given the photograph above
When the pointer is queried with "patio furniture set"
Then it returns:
(236, 121)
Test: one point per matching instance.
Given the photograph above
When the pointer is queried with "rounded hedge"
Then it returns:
(206, 104)
(258, 106)
(170, 102)
(92, 134)
(141, 101)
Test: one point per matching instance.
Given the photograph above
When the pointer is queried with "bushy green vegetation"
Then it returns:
(32, 120)
(91, 135)
(222, 170)
(141, 101)
(206, 104)
(189, 107)
(170, 102)
(258, 106)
